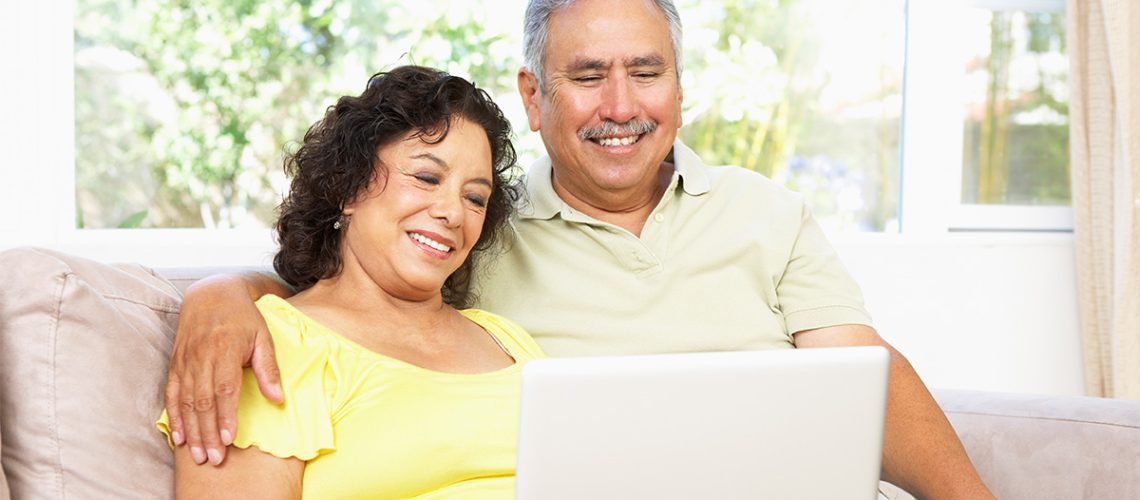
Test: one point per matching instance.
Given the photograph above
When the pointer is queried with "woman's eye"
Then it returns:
(477, 200)
(427, 178)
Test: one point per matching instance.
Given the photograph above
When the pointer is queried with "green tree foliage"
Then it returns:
(1016, 152)
(760, 83)
(189, 126)
(233, 71)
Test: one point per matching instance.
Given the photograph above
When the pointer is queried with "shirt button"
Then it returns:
(659, 218)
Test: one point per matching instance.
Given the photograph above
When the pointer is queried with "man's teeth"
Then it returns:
(618, 141)
(430, 242)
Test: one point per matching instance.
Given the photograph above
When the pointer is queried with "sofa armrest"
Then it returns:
(1040, 447)
(4, 493)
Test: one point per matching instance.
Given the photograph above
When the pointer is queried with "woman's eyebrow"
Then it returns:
(444, 165)
(433, 158)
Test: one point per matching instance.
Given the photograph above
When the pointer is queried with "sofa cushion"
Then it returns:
(83, 354)
(1042, 447)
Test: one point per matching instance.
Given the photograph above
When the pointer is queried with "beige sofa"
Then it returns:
(83, 351)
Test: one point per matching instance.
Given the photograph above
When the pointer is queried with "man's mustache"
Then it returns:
(610, 128)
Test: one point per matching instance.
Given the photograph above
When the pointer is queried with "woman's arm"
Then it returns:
(246, 473)
(219, 331)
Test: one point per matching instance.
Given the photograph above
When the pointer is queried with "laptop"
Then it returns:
(795, 423)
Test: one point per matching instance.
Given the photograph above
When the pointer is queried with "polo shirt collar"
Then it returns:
(544, 203)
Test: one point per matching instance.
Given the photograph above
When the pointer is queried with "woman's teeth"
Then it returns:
(430, 242)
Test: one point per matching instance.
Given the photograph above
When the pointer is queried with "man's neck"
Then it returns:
(627, 211)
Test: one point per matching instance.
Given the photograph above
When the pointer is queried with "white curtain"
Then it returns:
(1104, 52)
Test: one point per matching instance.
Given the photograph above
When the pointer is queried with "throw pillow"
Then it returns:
(84, 348)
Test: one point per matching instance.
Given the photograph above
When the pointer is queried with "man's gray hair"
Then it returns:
(536, 29)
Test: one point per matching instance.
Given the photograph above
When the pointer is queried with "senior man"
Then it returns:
(628, 243)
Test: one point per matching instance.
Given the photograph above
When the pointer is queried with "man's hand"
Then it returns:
(220, 331)
(921, 451)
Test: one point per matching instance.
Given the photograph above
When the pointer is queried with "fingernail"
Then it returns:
(197, 455)
(227, 438)
(176, 437)
(215, 456)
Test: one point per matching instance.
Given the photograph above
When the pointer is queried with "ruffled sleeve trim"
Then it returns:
(302, 426)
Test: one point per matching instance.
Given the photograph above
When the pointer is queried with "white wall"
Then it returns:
(987, 311)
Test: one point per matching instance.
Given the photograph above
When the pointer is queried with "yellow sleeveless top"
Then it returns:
(371, 426)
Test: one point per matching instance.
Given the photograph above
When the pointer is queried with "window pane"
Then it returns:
(806, 92)
(1016, 147)
(183, 108)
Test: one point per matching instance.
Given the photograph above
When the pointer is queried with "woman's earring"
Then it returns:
(342, 221)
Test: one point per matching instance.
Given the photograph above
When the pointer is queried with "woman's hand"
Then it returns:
(220, 331)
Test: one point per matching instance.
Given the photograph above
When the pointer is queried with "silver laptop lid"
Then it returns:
(796, 423)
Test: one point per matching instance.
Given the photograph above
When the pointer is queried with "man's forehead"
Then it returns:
(585, 16)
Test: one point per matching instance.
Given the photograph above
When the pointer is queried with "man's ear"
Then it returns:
(531, 94)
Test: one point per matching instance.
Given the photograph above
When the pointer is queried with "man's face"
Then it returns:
(612, 104)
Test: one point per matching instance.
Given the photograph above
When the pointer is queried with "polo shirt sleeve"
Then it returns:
(815, 289)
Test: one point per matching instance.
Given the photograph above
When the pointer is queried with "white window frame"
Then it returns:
(931, 181)
(37, 177)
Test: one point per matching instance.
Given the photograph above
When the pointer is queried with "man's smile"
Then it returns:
(617, 141)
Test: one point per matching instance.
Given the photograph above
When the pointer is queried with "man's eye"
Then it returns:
(428, 179)
(645, 75)
(591, 78)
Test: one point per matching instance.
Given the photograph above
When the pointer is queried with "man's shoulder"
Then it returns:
(729, 181)
(731, 176)
(746, 188)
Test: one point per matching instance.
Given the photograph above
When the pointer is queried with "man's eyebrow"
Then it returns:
(648, 60)
(585, 64)
(443, 164)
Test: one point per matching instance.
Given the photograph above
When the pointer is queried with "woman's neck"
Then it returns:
(351, 298)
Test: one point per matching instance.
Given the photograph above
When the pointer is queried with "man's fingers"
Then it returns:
(190, 425)
(173, 410)
(206, 412)
(226, 393)
(264, 364)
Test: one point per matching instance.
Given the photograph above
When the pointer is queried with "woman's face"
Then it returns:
(409, 232)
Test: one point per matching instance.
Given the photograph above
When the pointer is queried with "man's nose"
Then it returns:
(619, 100)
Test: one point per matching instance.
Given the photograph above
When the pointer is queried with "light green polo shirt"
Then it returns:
(728, 260)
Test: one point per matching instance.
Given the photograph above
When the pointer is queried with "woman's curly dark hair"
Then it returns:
(337, 162)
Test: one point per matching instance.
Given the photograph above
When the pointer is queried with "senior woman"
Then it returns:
(389, 390)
